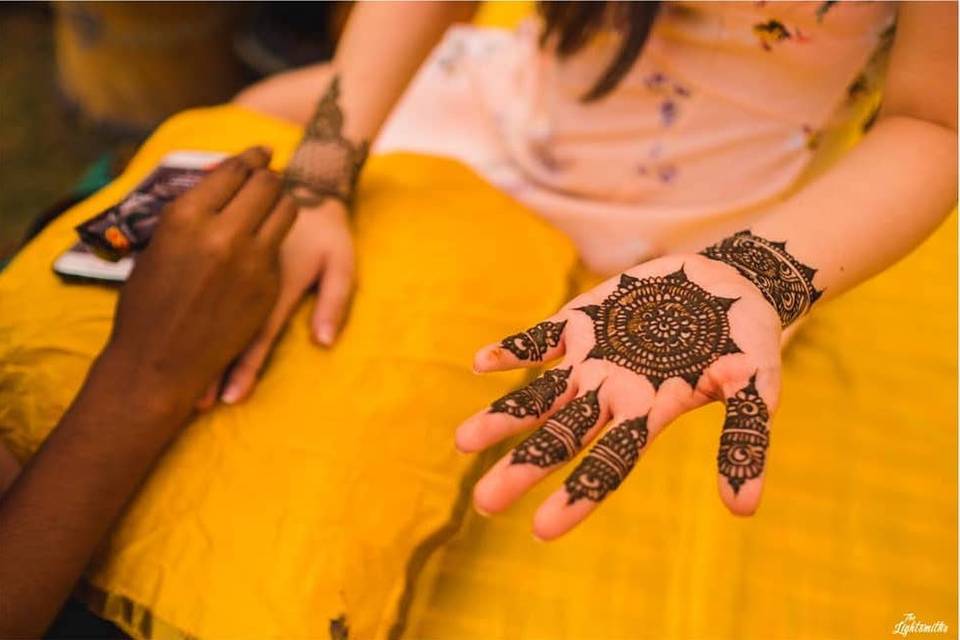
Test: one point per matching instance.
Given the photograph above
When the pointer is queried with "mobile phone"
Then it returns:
(110, 240)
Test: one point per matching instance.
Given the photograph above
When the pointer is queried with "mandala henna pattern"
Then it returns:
(744, 441)
(325, 164)
(562, 436)
(535, 398)
(609, 462)
(533, 343)
(662, 327)
(784, 281)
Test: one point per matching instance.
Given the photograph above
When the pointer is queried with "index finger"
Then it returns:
(218, 188)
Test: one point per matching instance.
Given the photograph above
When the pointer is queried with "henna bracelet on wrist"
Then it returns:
(785, 282)
(325, 164)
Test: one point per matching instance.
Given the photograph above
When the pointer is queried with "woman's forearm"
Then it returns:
(875, 206)
(886, 195)
(382, 46)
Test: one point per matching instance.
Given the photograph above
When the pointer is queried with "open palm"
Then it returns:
(635, 353)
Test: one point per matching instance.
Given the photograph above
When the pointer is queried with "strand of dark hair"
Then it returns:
(572, 24)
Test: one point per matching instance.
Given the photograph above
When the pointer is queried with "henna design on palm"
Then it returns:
(325, 164)
(608, 462)
(562, 436)
(784, 281)
(744, 441)
(535, 398)
(533, 343)
(662, 327)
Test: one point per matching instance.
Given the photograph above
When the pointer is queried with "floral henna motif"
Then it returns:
(784, 281)
(533, 343)
(609, 462)
(662, 327)
(744, 441)
(325, 164)
(535, 398)
(562, 436)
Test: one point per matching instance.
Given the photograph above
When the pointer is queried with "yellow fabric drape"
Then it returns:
(319, 497)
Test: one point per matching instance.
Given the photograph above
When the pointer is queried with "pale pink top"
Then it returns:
(719, 116)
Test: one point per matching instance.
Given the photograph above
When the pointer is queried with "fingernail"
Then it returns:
(231, 394)
(485, 514)
(326, 334)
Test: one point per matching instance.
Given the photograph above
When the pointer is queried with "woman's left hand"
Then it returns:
(636, 352)
(317, 252)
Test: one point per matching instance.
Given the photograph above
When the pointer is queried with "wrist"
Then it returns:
(134, 391)
(785, 282)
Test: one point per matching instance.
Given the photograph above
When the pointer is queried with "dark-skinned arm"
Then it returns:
(197, 296)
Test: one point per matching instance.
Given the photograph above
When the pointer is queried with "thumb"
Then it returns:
(243, 375)
(333, 298)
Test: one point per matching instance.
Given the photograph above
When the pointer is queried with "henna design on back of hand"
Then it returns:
(533, 343)
(609, 462)
(744, 441)
(662, 327)
(562, 436)
(325, 164)
(784, 281)
(535, 398)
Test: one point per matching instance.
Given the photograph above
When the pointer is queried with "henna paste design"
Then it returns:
(609, 462)
(325, 164)
(744, 441)
(784, 281)
(533, 343)
(562, 436)
(535, 398)
(662, 327)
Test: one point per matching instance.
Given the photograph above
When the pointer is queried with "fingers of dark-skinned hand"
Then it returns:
(218, 188)
(528, 348)
(519, 410)
(559, 440)
(334, 291)
(742, 455)
(276, 226)
(253, 203)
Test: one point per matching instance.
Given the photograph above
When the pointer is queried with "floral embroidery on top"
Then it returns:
(812, 137)
(770, 33)
(824, 8)
(670, 91)
(665, 172)
(542, 150)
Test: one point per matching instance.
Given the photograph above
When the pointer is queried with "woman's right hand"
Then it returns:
(317, 253)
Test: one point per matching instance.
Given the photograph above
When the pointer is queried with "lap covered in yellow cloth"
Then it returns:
(857, 527)
(331, 493)
(309, 509)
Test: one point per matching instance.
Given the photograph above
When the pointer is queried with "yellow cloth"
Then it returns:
(323, 496)
(857, 526)
(315, 499)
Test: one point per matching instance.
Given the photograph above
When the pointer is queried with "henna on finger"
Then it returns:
(562, 436)
(536, 398)
(744, 441)
(609, 462)
(784, 281)
(534, 343)
(662, 327)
